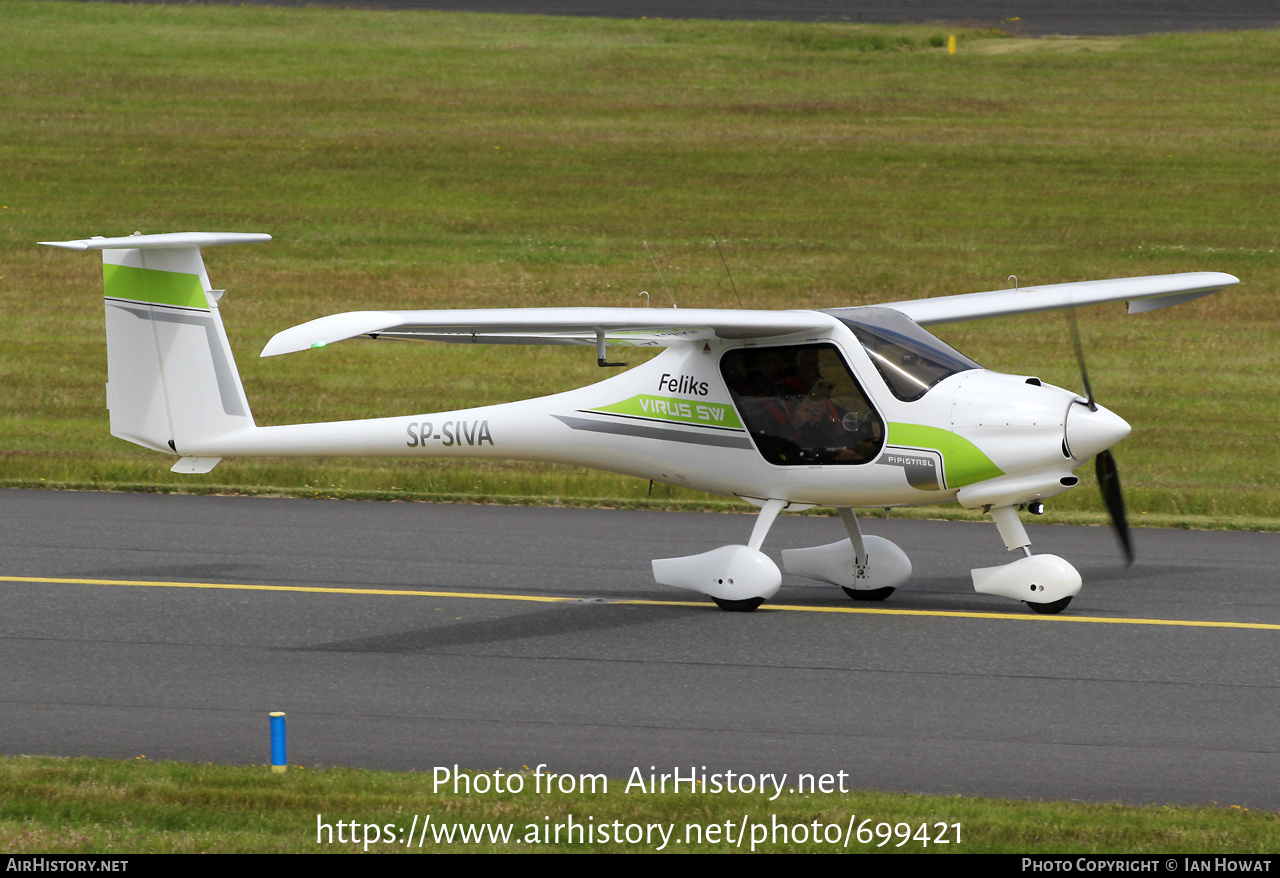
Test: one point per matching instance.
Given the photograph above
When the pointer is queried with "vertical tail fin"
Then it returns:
(172, 383)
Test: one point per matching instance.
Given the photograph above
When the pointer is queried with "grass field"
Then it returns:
(422, 160)
(94, 805)
(449, 160)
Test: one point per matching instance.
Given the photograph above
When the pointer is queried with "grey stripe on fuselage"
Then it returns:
(646, 432)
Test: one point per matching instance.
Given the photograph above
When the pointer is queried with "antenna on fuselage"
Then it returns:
(659, 271)
(726, 271)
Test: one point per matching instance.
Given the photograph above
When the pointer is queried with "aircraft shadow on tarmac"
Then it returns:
(562, 620)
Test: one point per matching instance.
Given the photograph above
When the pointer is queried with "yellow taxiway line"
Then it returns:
(791, 608)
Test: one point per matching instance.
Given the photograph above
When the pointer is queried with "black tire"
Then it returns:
(1050, 609)
(868, 594)
(747, 605)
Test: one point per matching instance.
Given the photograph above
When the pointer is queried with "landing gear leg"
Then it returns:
(860, 560)
(1046, 583)
(768, 515)
(1011, 529)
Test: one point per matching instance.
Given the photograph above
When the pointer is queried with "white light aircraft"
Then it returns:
(845, 407)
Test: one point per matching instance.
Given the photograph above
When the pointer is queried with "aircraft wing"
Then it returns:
(1141, 293)
(661, 327)
(647, 327)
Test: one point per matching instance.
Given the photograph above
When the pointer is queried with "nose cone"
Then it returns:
(1089, 432)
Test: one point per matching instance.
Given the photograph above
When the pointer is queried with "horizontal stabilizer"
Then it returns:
(169, 241)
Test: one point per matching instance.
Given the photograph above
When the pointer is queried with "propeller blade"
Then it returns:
(1084, 370)
(1113, 497)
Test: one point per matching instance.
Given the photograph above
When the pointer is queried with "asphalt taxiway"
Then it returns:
(1023, 17)
(406, 636)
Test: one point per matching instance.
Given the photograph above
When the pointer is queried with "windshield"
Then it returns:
(909, 359)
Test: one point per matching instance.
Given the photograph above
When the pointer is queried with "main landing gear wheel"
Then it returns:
(868, 594)
(746, 605)
(1050, 609)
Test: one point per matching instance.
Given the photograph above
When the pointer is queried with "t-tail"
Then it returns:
(167, 352)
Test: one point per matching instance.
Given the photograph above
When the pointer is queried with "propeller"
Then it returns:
(1104, 465)
(1104, 461)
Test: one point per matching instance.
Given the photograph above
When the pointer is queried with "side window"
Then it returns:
(802, 405)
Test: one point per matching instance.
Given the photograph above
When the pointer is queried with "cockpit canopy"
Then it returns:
(909, 359)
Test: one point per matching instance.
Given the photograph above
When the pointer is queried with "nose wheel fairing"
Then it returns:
(1039, 579)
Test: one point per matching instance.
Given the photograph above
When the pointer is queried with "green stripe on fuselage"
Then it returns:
(683, 411)
(154, 286)
(963, 461)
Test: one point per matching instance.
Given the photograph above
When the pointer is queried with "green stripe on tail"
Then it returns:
(154, 286)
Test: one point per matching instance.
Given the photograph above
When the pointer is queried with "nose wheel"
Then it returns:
(744, 606)
(1052, 608)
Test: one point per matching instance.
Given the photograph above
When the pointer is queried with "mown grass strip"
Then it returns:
(140, 806)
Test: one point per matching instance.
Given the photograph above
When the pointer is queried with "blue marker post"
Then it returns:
(279, 755)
